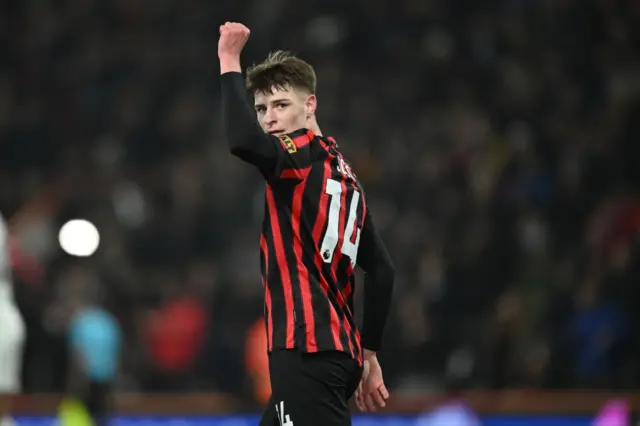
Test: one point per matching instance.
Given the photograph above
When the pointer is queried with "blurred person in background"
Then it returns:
(95, 340)
(257, 361)
(599, 330)
(175, 333)
(12, 328)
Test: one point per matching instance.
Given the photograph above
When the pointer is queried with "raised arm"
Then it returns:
(247, 140)
(244, 135)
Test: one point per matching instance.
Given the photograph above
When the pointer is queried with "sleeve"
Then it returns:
(379, 276)
(283, 157)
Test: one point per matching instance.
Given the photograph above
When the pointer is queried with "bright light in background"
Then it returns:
(79, 237)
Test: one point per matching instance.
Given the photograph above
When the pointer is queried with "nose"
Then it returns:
(269, 117)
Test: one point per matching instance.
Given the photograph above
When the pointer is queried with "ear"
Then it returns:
(310, 105)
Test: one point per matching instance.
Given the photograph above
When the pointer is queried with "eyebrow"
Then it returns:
(275, 101)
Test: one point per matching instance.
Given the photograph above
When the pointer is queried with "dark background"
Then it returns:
(497, 140)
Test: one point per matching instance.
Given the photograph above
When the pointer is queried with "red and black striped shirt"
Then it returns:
(316, 229)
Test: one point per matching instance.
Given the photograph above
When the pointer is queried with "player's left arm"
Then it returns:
(374, 259)
(379, 270)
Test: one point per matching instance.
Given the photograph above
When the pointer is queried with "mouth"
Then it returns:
(277, 132)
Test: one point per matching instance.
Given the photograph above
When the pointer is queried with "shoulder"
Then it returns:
(294, 141)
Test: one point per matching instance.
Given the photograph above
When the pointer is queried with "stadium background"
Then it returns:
(498, 141)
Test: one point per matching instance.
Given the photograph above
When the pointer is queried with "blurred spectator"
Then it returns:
(96, 343)
(257, 361)
(175, 333)
(600, 330)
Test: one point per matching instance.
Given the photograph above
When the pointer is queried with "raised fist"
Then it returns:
(233, 37)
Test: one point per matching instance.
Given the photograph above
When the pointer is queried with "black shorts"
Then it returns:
(310, 388)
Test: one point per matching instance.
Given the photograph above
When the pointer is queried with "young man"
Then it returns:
(316, 229)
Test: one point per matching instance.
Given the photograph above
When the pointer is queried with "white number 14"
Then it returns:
(330, 241)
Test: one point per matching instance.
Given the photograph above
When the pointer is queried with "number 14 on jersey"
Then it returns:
(332, 235)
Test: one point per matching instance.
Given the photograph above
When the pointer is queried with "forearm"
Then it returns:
(377, 304)
(230, 64)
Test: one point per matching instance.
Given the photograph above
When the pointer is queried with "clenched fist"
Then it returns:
(233, 37)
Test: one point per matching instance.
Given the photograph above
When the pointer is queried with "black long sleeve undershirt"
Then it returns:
(244, 135)
(376, 263)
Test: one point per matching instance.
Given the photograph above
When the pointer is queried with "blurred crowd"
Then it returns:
(498, 142)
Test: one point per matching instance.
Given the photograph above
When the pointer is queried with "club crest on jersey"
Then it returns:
(288, 143)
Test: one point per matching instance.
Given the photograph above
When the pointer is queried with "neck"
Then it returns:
(312, 124)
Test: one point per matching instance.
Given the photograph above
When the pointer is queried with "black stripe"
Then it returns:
(283, 196)
(274, 281)
(321, 302)
(285, 193)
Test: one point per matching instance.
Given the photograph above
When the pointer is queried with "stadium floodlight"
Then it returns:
(79, 237)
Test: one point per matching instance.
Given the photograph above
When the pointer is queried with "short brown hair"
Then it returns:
(281, 70)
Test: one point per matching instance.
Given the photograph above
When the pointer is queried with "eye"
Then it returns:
(281, 106)
(260, 109)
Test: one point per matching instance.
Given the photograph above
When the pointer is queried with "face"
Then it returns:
(284, 111)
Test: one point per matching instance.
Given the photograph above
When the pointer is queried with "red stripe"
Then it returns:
(347, 291)
(347, 325)
(267, 293)
(303, 139)
(303, 275)
(357, 333)
(326, 148)
(321, 219)
(338, 255)
(341, 298)
(267, 300)
(295, 173)
(336, 261)
(347, 328)
(348, 288)
(282, 266)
